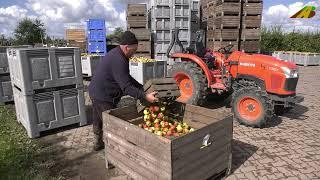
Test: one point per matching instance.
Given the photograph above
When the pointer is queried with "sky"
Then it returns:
(60, 14)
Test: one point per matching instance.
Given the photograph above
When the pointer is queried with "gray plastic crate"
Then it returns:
(41, 68)
(89, 64)
(50, 110)
(160, 24)
(161, 12)
(182, 11)
(161, 3)
(162, 36)
(306, 59)
(142, 72)
(6, 94)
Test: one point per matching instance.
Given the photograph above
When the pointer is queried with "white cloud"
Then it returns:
(59, 13)
(280, 15)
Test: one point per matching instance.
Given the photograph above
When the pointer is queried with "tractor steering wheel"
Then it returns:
(226, 50)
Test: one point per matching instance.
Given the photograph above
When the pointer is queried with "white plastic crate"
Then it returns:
(89, 64)
(6, 94)
(49, 110)
(306, 59)
(142, 72)
(41, 68)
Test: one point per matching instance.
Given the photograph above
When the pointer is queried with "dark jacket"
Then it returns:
(112, 79)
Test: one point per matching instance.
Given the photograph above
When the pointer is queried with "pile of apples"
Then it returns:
(141, 59)
(157, 121)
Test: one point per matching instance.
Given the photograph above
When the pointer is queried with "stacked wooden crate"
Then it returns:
(137, 23)
(251, 25)
(234, 22)
(76, 38)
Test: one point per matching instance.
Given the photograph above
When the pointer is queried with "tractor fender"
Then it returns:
(197, 60)
(259, 81)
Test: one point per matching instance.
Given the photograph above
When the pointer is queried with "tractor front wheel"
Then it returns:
(191, 81)
(251, 106)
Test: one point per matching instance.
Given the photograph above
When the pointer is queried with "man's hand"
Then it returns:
(151, 97)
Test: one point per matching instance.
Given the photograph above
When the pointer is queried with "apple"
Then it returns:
(156, 108)
(157, 125)
(163, 108)
(166, 124)
(165, 130)
(148, 123)
(176, 134)
(185, 131)
(169, 133)
(160, 116)
(146, 117)
(140, 125)
(179, 128)
(146, 111)
(157, 120)
(145, 126)
(154, 116)
(172, 128)
(185, 125)
(159, 133)
(191, 130)
(162, 123)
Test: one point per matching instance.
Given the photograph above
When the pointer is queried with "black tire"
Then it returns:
(199, 81)
(258, 95)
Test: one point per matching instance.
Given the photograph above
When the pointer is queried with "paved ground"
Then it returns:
(289, 148)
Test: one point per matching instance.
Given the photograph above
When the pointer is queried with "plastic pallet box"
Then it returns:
(42, 68)
(142, 72)
(306, 59)
(97, 47)
(96, 35)
(6, 94)
(89, 64)
(96, 24)
(49, 110)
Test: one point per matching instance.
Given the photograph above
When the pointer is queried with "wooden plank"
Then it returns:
(142, 158)
(251, 34)
(191, 152)
(126, 165)
(144, 46)
(214, 113)
(141, 33)
(200, 133)
(163, 87)
(158, 81)
(253, 8)
(160, 147)
(76, 34)
(199, 167)
(137, 9)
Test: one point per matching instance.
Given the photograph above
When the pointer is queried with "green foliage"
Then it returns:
(29, 32)
(116, 35)
(20, 157)
(275, 39)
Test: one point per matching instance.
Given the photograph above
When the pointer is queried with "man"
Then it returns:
(112, 80)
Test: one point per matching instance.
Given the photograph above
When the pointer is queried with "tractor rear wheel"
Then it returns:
(251, 106)
(191, 81)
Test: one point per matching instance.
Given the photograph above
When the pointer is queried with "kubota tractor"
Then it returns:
(261, 85)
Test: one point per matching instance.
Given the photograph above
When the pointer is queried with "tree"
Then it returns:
(30, 32)
(116, 35)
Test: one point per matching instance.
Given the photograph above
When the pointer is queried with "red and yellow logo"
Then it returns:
(306, 12)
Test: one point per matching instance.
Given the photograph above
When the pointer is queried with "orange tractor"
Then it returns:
(260, 85)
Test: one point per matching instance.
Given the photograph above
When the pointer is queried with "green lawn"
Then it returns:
(20, 157)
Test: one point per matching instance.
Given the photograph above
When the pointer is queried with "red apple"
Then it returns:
(160, 115)
(156, 108)
(157, 125)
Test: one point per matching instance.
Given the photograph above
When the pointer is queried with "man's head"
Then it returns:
(129, 44)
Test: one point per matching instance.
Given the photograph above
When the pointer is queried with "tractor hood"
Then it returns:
(260, 59)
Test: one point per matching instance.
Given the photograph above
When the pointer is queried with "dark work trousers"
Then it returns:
(98, 108)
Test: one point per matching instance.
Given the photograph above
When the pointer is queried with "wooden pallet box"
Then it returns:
(141, 33)
(226, 34)
(144, 47)
(143, 155)
(136, 9)
(228, 7)
(222, 22)
(253, 8)
(252, 21)
(251, 34)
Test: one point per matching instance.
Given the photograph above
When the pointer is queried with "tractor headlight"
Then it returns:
(290, 73)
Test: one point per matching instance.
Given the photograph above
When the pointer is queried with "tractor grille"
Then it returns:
(291, 84)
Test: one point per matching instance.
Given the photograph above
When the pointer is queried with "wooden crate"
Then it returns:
(251, 34)
(211, 9)
(252, 8)
(144, 47)
(250, 46)
(137, 22)
(223, 22)
(142, 54)
(136, 9)
(166, 87)
(143, 155)
(141, 33)
(228, 7)
(226, 34)
(210, 34)
(75, 35)
(252, 21)
(221, 44)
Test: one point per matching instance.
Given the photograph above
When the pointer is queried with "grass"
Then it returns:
(20, 157)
